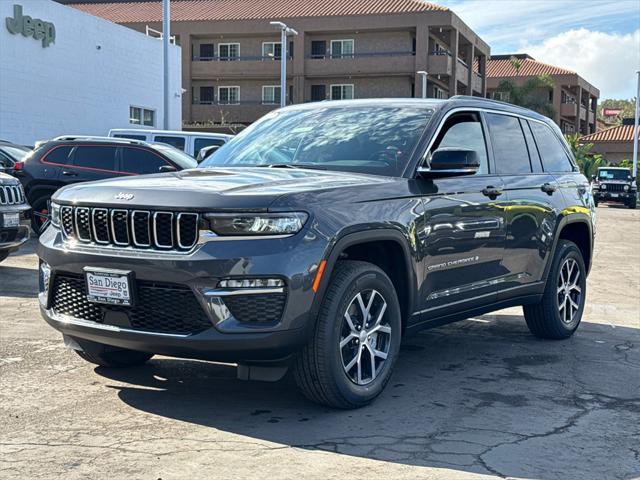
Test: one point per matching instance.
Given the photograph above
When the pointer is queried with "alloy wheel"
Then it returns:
(365, 337)
(569, 291)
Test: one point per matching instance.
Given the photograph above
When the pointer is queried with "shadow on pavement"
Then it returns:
(18, 282)
(479, 396)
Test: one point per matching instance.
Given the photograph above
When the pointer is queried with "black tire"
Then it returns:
(108, 356)
(3, 254)
(632, 204)
(595, 202)
(548, 319)
(319, 369)
(39, 208)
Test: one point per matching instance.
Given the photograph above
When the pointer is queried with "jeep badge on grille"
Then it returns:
(124, 196)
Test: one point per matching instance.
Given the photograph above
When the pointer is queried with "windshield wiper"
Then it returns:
(291, 165)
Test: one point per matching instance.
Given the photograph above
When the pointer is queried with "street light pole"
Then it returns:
(166, 35)
(635, 127)
(423, 74)
(284, 30)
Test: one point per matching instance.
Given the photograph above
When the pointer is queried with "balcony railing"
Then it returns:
(244, 58)
(214, 103)
(343, 56)
(440, 52)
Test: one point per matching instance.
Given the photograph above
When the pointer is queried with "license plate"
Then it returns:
(614, 195)
(11, 220)
(112, 287)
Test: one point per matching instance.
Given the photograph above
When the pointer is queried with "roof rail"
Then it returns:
(98, 138)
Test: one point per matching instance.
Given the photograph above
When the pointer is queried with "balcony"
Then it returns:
(462, 72)
(242, 112)
(477, 82)
(583, 112)
(440, 63)
(214, 67)
(360, 63)
(568, 109)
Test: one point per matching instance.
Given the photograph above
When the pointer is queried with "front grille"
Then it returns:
(11, 195)
(159, 307)
(119, 227)
(615, 187)
(266, 308)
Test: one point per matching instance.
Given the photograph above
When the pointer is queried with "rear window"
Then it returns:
(554, 156)
(130, 136)
(206, 142)
(177, 142)
(509, 146)
(59, 155)
(94, 156)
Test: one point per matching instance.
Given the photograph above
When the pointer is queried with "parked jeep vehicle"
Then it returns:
(13, 209)
(320, 236)
(72, 159)
(615, 185)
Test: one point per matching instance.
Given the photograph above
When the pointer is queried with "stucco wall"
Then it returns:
(83, 83)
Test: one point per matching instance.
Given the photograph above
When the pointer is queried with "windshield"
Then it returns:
(611, 174)
(176, 156)
(374, 140)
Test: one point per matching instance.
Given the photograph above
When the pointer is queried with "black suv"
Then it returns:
(615, 185)
(72, 159)
(320, 236)
(13, 209)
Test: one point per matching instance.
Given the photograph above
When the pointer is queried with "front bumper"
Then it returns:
(12, 237)
(226, 338)
(619, 197)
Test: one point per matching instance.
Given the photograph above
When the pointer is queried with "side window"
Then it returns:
(59, 155)
(94, 156)
(141, 161)
(205, 142)
(464, 130)
(177, 142)
(509, 147)
(554, 157)
(536, 163)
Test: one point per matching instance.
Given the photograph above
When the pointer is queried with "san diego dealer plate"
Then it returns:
(112, 287)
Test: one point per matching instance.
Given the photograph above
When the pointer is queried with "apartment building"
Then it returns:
(614, 143)
(344, 49)
(573, 99)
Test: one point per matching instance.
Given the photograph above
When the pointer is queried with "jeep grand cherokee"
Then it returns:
(319, 237)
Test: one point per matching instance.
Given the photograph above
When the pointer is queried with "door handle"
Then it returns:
(69, 173)
(491, 192)
(548, 188)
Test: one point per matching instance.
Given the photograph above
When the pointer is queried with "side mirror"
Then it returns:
(206, 152)
(593, 177)
(168, 168)
(451, 162)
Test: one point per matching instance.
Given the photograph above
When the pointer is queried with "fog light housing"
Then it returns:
(251, 283)
(44, 279)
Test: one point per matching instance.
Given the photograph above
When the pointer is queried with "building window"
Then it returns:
(206, 95)
(142, 116)
(440, 93)
(228, 95)
(229, 51)
(566, 98)
(207, 51)
(318, 49)
(318, 93)
(272, 50)
(501, 96)
(271, 94)
(342, 92)
(341, 48)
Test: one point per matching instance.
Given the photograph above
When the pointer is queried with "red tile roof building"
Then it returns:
(614, 144)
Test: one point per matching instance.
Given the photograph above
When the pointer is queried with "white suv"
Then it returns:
(189, 142)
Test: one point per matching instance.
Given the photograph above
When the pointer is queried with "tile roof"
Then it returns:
(193, 10)
(504, 68)
(621, 133)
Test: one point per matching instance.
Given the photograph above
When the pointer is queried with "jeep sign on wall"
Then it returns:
(31, 27)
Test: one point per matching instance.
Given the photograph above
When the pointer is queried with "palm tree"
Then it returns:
(587, 161)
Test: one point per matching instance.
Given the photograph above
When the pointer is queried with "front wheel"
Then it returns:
(632, 204)
(349, 360)
(3, 254)
(559, 313)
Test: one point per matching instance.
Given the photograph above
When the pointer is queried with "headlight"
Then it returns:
(256, 224)
(55, 214)
(603, 187)
(626, 188)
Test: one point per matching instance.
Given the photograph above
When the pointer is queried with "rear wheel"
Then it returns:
(632, 203)
(349, 360)
(108, 356)
(559, 313)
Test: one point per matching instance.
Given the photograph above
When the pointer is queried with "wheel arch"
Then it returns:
(578, 229)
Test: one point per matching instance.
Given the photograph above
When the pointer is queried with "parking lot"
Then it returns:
(478, 398)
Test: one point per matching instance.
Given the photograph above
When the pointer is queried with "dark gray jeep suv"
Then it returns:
(319, 237)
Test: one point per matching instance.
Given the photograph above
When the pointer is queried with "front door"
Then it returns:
(463, 235)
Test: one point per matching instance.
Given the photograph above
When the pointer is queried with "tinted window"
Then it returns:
(130, 136)
(177, 142)
(205, 142)
(536, 163)
(509, 147)
(178, 157)
(59, 155)
(554, 157)
(139, 160)
(465, 131)
(102, 157)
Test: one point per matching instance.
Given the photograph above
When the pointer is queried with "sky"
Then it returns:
(598, 39)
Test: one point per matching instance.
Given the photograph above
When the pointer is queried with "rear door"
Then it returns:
(91, 162)
(531, 195)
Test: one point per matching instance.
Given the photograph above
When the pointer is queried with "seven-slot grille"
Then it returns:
(131, 228)
(615, 187)
(11, 195)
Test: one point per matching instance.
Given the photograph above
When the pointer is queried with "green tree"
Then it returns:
(627, 107)
(587, 161)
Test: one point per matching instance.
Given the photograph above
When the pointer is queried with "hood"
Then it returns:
(219, 188)
(6, 179)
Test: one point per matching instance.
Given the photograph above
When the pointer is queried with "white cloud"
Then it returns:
(606, 60)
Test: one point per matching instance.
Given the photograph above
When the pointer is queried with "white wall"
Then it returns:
(74, 87)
